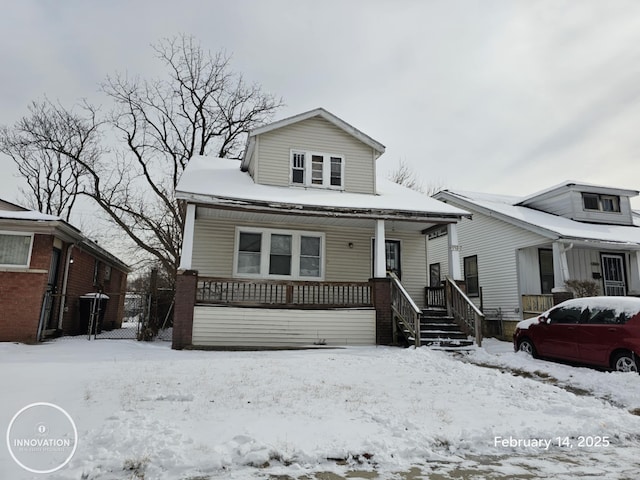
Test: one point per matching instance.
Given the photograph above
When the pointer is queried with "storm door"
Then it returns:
(613, 275)
(392, 256)
(48, 320)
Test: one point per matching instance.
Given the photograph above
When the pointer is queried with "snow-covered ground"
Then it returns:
(145, 411)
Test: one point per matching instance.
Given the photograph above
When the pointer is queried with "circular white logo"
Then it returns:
(42, 437)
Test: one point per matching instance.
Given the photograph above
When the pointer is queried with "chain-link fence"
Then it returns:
(136, 315)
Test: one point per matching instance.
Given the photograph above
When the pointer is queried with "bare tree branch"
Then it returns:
(201, 107)
(403, 175)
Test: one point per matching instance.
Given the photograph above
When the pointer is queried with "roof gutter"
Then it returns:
(317, 210)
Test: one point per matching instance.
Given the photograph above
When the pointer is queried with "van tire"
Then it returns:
(527, 346)
(625, 362)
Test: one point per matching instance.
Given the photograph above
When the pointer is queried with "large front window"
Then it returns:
(313, 169)
(15, 249)
(269, 253)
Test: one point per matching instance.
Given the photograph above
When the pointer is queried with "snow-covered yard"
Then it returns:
(145, 411)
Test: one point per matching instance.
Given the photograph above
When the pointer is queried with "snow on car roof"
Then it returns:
(628, 305)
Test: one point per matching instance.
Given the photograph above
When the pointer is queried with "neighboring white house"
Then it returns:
(284, 247)
(516, 252)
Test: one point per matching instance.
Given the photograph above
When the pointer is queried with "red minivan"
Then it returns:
(599, 331)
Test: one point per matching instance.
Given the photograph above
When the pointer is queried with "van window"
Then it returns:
(565, 315)
(603, 316)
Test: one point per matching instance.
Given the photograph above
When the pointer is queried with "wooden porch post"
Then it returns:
(380, 256)
(560, 266)
(634, 273)
(187, 238)
(455, 270)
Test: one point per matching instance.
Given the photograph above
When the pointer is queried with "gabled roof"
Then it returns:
(318, 112)
(574, 185)
(511, 210)
(219, 182)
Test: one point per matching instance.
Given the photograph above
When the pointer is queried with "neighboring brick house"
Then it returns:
(46, 266)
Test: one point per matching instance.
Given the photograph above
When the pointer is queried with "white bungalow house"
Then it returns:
(291, 246)
(518, 252)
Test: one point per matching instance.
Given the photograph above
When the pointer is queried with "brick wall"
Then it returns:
(186, 284)
(81, 281)
(21, 294)
(384, 317)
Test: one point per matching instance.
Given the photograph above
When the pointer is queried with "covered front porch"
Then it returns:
(352, 300)
(547, 272)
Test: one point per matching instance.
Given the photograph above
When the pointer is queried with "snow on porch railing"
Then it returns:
(233, 291)
(404, 309)
(463, 311)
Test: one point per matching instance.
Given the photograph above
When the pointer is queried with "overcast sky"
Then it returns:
(495, 96)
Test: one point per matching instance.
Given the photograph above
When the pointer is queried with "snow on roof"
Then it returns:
(554, 225)
(27, 215)
(76, 234)
(572, 183)
(210, 179)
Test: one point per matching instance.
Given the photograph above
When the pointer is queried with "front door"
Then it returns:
(613, 275)
(48, 320)
(392, 256)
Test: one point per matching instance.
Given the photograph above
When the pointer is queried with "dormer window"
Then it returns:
(601, 203)
(313, 169)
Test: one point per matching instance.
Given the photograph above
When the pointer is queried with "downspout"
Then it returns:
(65, 281)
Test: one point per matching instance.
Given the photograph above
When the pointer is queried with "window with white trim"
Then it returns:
(313, 169)
(15, 249)
(282, 254)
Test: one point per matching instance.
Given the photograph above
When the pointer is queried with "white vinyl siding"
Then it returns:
(570, 204)
(315, 135)
(271, 327)
(559, 204)
(213, 252)
(438, 252)
(15, 249)
(495, 242)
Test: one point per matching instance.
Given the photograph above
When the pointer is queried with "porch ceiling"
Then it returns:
(284, 219)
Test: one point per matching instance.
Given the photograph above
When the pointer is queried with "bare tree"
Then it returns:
(44, 146)
(403, 175)
(200, 108)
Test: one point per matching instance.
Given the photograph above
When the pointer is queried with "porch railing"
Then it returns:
(463, 311)
(435, 297)
(405, 312)
(534, 305)
(283, 293)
